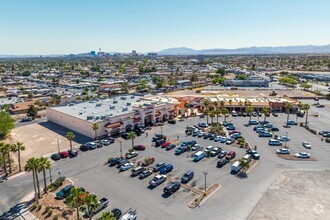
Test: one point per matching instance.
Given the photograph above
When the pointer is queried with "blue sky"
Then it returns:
(74, 26)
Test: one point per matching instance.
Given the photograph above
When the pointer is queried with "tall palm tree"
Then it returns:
(75, 199)
(43, 165)
(264, 111)
(92, 203)
(300, 105)
(18, 147)
(207, 103)
(95, 127)
(31, 166)
(107, 216)
(306, 109)
(215, 105)
(5, 107)
(132, 136)
(217, 113)
(230, 102)
(287, 107)
(7, 149)
(70, 136)
(212, 115)
(3, 151)
(222, 103)
(206, 113)
(240, 103)
(225, 112)
(249, 110)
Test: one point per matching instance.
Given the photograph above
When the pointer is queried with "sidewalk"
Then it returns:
(25, 214)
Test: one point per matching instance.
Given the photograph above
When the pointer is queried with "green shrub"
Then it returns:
(55, 217)
(198, 91)
(33, 207)
(39, 207)
(49, 212)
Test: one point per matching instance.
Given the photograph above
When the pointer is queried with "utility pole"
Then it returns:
(121, 149)
(58, 145)
(286, 142)
(205, 174)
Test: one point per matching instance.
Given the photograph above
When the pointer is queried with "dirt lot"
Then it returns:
(292, 197)
(41, 139)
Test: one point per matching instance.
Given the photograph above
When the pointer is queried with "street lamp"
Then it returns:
(286, 136)
(161, 130)
(50, 175)
(58, 145)
(121, 148)
(205, 174)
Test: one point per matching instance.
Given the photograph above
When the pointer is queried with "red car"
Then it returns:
(233, 132)
(139, 147)
(64, 154)
(165, 144)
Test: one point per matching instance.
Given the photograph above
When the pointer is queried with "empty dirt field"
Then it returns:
(296, 195)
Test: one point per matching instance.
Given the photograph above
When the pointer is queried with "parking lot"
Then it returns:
(89, 170)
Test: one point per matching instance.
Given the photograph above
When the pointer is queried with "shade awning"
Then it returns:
(113, 125)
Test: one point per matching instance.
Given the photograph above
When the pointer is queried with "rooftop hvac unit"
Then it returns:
(132, 97)
(71, 104)
(112, 107)
(97, 117)
(125, 109)
(90, 117)
(98, 105)
(115, 101)
(128, 103)
(138, 100)
(103, 117)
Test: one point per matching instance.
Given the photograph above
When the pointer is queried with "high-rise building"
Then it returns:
(93, 53)
(134, 53)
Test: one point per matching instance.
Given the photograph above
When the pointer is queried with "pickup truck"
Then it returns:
(63, 192)
(157, 180)
(130, 214)
(103, 203)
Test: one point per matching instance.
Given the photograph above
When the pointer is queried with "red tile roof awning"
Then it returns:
(113, 125)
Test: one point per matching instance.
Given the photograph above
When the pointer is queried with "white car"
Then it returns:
(283, 138)
(283, 151)
(209, 148)
(223, 139)
(302, 155)
(126, 166)
(306, 145)
(105, 142)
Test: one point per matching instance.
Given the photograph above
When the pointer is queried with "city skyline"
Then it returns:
(42, 28)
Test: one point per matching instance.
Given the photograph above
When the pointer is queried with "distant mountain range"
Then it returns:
(308, 49)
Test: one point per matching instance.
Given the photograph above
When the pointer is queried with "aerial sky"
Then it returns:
(39, 27)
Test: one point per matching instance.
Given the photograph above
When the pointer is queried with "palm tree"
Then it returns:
(215, 105)
(230, 102)
(249, 110)
(217, 113)
(264, 111)
(222, 103)
(3, 150)
(225, 112)
(212, 115)
(288, 106)
(75, 199)
(92, 203)
(18, 147)
(132, 136)
(5, 107)
(95, 127)
(70, 136)
(207, 112)
(107, 216)
(240, 103)
(43, 165)
(7, 149)
(31, 166)
(207, 103)
(186, 106)
(300, 105)
(306, 109)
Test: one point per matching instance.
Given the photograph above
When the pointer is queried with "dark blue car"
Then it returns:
(168, 168)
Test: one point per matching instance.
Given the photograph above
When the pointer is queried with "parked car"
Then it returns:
(215, 151)
(233, 113)
(72, 153)
(172, 121)
(166, 169)
(159, 142)
(171, 188)
(269, 125)
(254, 114)
(273, 142)
(221, 162)
(203, 125)
(165, 144)
(324, 132)
(223, 139)
(302, 155)
(139, 147)
(254, 154)
(306, 145)
(64, 154)
(113, 161)
(26, 120)
(236, 167)
(158, 166)
(117, 213)
(137, 171)
(91, 145)
(292, 123)
(102, 204)
(253, 122)
(283, 151)
(201, 134)
(105, 142)
(157, 180)
(171, 146)
(125, 136)
(131, 155)
(181, 150)
(199, 155)
(111, 140)
(230, 127)
(125, 167)
(212, 136)
(145, 174)
(274, 129)
(121, 162)
(63, 192)
(222, 154)
(265, 134)
(275, 114)
(235, 136)
(231, 155)
(55, 156)
(187, 176)
(196, 147)
(258, 127)
(283, 138)
(230, 141)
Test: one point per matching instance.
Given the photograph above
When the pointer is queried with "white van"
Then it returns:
(247, 157)
(237, 166)
(199, 155)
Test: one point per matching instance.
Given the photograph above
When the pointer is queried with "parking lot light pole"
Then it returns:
(50, 175)
(58, 145)
(286, 142)
(205, 174)
(161, 130)
(121, 149)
